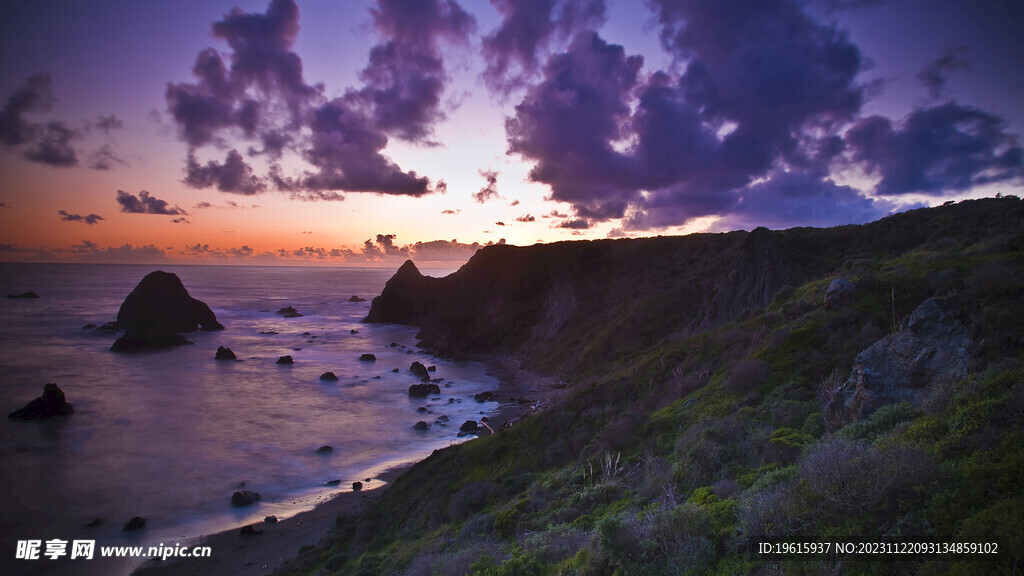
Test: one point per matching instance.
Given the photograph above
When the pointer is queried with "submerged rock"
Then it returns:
(325, 449)
(420, 390)
(355, 298)
(421, 425)
(368, 358)
(158, 309)
(335, 482)
(25, 295)
(136, 523)
(244, 498)
(51, 403)
(289, 312)
(224, 354)
(329, 377)
(286, 360)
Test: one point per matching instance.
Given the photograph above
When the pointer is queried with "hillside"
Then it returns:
(716, 403)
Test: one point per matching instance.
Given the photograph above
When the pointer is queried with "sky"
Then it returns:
(362, 132)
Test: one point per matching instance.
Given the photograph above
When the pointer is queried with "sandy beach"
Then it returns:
(519, 394)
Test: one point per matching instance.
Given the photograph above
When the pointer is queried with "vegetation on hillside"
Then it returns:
(685, 454)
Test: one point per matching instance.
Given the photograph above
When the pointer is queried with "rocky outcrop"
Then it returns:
(224, 354)
(285, 361)
(156, 311)
(355, 298)
(51, 403)
(367, 357)
(422, 390)
(329, 377)
(289, 312)
(933, 347)
(419, 369)
(840, 293)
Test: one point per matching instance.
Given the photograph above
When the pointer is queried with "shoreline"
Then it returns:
(519, 393)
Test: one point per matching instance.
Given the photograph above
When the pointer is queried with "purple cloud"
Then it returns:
(107, 124)
(490, 191)
(233, 175)
(144, 203)
(936, 74)
(526, 218)
(90, 219)
(936, 150)
(104, 159)
(528, 27)
(35, 96)
(53, 146)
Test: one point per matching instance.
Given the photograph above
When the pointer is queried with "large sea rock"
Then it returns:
(157, 310)
(51, 403)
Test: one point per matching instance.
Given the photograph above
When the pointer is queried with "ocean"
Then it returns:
(170, 435)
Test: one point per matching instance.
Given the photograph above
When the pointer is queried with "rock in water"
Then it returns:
(368, 358)
(51, 403)
(286, 360)
(136, 523)
(355, 298)
(421, 390)
(225, 354)
(244, 498)
(419, 370)
(29, 295)
(329, 377)
(157, 310)
(289, 312)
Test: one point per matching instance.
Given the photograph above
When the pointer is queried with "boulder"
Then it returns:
(335, 482)
(932, 348)
(224, 354)
(250, 530)
(289, 312)
(286, 360)
(272, 519)
(325, 449)
(357, 486)
(419, 370)
(25, 295)
(355, 298)
(329, 377)
(421, 390)
(368, 357)
(469, 426)
(244, 498)
(136, 523)
(158, 309)
(51, 403)
(421, 425)
(840, 293)
(485, 397)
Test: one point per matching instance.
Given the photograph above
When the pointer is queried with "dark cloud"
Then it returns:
(936, 74)
(233, 175)
(526, 218)
(443, 250)
(181, 220)
(35, 96)
(500, 223)
(108, 123)
(577, 224)
(90, 251)
(144, 203)
(568, 122)
(513, 50)
(490, 191)
(257, 93)
(203, 205)
(936, 150)
(54, 146)
(90, 219)
(105, 158)
(405, 76)
(449, 211)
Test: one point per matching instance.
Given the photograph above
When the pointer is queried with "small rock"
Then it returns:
(270, 519)
(135, 523)
(421, 425)
(244, 498)
(24, 295)
(250, 530)
(51, 403)
(431, 368)
(88, 327)
(419, 370)
(95, 522)
(325, 449)
(442, 418)
(469, 426)
(285, 360)
(357, 486)
(332, 483)
(421, 409)
(485, 397)
(368, 357)
(355, 298)
(268, 332)
(394, 344)
(421, 390)
(329, 377)
(225, 354)
(305, 333)
(396, 370)
(353, 331)
(289, 312)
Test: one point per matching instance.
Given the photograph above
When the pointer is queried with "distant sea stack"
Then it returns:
(157, 310)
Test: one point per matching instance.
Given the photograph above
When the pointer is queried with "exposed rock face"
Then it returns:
(51, 403)
(933, 347)
(840, 293)
(157, 310)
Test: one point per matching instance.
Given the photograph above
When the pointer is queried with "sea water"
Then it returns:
(169, 435)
